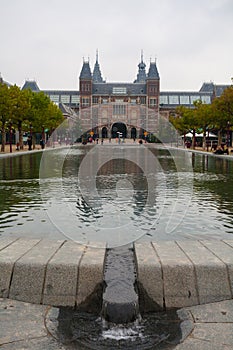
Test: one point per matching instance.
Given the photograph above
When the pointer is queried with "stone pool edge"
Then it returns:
(171, 274)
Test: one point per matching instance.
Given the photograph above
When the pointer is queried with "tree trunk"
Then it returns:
(3, 131)
(204, 140)
(20, 135)
(219, 137)
(33, 141)
(194, 139)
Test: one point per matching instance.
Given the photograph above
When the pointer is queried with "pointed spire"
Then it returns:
(86, 70)
(153, 71)
(97, 77)
(141, 76)
(96, 55)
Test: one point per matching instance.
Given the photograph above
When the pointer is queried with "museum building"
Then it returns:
(128, 107)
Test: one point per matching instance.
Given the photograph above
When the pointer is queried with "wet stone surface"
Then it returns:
(87, 331)
(37, 327)
(22, 326)
(120, 300)
(28, 326)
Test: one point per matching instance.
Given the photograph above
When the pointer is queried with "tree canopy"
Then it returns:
(24, 110)
(216, 117)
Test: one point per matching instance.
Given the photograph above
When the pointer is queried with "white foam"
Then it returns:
(122, 332)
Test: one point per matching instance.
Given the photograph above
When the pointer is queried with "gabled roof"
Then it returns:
(31, 85)
(107, 89)
(207, 87)
(219, 89)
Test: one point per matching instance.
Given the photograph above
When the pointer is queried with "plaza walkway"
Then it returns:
(30, 326)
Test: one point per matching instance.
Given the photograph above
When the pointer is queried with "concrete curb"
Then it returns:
(58, 273)
(187, 273)
(174, 274)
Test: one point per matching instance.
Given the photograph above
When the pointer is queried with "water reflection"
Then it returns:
(125, 196)
(123, 179)
(214, 185)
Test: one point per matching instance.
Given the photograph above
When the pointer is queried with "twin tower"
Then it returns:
(145, 90)
(127, 108)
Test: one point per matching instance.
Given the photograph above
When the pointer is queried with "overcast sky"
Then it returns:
(46, 40)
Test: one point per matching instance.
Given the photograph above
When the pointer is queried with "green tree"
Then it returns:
(43, 112)
(39, 103)
(179, 121)
(223, 112)
(26, 110)
(200, 117)
(186, 120)
(19, 109)
(191, 119)
(5, 105)
(204, 118)
(54, 116)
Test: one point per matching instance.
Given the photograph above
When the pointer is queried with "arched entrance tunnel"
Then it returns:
(119, 127)
(133, 133)
(104, 132)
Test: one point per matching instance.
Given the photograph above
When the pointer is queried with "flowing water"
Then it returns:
(82, 331)
(120, 302)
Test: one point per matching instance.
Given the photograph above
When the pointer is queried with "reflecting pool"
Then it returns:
(116, 194)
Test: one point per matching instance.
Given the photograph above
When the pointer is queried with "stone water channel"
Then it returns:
(132, 202)
(117, 321)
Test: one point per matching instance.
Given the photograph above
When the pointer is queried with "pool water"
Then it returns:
(116, 194)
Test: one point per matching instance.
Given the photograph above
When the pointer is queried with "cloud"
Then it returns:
(47, 39)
